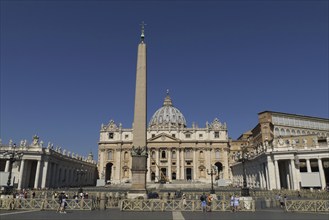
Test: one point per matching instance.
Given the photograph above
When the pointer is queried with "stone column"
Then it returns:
(169, 165)
(7, 166)
(117, 177)
(294, 178)
(260, 174)
(44, 174)
(269, 174)
(183, 164)
(55, 177)
(226, 164)
(194, 165)
(277, 174)
(148, 175)
(157, 168)
(321, 172)
(21, 174)
(178, 164)
(308, 165)
(37, 175)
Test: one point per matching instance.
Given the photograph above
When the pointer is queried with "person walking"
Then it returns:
(232, 203)
(209, 202)
(236, 203)
(203, 198)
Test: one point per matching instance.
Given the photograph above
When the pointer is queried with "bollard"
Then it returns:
(102, 202)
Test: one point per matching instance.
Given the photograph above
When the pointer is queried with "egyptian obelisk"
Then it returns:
(139, 149)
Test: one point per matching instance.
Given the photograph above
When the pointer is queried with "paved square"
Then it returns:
(116, 214)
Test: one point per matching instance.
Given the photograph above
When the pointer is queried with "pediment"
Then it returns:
(163, 137)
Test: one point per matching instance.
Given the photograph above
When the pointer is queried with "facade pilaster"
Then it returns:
(178, 164)
(157, 168)
(194, 165)
(116, 175)
(183, 164)
(169, 165)
(148, 174)
(226, 165)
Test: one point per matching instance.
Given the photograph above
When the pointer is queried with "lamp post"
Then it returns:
(212, 172)
(243, 157)
(12, 156)
(81, 172)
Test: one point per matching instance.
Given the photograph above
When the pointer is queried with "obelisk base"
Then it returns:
(138, 187)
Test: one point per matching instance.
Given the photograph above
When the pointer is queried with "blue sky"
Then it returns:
(69, 66)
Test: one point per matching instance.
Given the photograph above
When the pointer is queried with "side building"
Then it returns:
(34, 166)
(283, 151)
(176, 153)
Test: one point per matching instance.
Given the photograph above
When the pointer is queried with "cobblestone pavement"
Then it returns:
(116, 214)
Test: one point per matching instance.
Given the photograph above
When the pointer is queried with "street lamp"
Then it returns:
(12, 156)
(81, 172)
(212, 172)
(243, 157)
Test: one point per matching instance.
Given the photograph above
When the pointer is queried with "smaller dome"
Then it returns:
(167, 116)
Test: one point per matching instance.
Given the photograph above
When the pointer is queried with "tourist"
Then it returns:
(184, 200)
(232, 203)
(236, 203)
(63, 203)
(209, 202)
(203, 198)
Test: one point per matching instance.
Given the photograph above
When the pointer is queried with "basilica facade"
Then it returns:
(176, 153)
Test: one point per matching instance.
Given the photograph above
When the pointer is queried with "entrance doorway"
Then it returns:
(189, 173)
(108, 173)
(219, 166)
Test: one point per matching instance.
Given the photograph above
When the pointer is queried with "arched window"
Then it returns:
(282, 132)
(163, 154)
(276, 132)
(153, 154)
(201, 155)
(126, 155)
(293, 132)
(288, 132)
(173, 156)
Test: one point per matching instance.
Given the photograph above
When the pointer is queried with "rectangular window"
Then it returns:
(200, 135)
(111, 135)
(173, 135)
(153, 135)
(126, 136)
(187, 135)
(216, 134)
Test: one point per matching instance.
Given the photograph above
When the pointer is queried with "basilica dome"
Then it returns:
(167, 116)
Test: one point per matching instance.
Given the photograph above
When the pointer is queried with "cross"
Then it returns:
(143, 26)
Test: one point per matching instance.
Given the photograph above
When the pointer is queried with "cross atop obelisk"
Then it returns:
(139, 149)
(142, 31)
